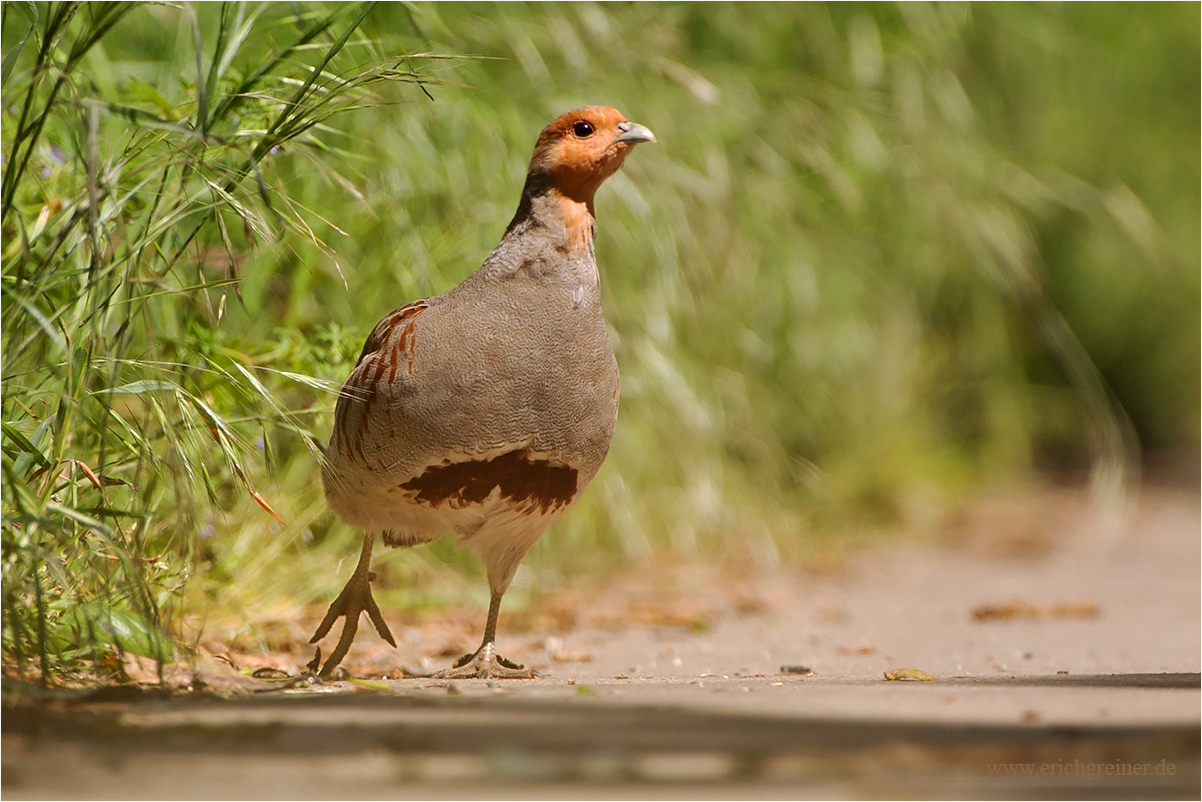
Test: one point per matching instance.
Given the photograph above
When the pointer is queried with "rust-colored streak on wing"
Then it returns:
(536, 482)
(379, 360)
(383, 331)
(405, 342)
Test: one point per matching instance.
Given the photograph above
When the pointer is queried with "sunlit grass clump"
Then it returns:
(130, 420)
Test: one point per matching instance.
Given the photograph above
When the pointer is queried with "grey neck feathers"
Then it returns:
(539, 242)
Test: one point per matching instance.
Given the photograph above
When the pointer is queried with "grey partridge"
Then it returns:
(487, 410)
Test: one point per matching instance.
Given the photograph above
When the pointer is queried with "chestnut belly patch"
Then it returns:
(534, 483)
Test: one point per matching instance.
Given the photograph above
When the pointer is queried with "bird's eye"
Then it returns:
(582, 129)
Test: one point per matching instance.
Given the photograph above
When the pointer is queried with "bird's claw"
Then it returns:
(487, 664)
(354, 599)
(467, 658)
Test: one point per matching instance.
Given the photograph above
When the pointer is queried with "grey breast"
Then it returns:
(525, 364)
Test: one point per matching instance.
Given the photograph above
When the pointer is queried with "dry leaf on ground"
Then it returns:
(908, 675)
(1026, 611)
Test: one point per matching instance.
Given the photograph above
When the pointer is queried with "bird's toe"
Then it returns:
(487, 664)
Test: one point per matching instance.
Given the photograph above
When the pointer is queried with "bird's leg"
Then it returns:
(485, 663)
(354, 599)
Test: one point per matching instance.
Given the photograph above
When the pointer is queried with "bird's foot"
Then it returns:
(354, 599)
(487, 664)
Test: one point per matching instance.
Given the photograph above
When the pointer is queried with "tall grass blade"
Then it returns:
(14, 52)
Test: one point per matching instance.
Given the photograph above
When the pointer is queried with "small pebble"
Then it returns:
(796, 670)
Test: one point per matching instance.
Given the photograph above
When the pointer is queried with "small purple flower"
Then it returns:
(56, 153)
(46, 171)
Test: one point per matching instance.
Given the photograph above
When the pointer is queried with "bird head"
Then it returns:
(582, 148)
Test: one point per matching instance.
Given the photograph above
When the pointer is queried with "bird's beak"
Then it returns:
(634, 133)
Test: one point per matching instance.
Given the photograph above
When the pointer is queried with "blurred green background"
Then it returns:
(883, 257)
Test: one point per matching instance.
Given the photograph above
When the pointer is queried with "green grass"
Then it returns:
(129, 419)
(880, 257)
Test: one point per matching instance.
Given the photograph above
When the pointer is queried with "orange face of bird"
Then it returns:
(582, 148)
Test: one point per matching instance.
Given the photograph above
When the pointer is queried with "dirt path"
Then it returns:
(1064, 665)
